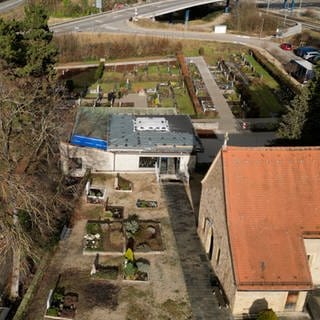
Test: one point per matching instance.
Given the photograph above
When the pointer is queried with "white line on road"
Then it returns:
(109, 27)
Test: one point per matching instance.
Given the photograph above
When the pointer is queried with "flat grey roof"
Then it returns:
(92, 122)
(116, 126)
(179, 138)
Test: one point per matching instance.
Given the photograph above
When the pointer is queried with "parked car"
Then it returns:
(311, 54)
(286, 46)
(300, 69)
(314, 59)
(301, 51)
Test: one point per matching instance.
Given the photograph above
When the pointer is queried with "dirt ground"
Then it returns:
(164, 296)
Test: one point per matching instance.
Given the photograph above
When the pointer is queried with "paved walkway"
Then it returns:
(72, 65)
(227, 122)
(194, 263)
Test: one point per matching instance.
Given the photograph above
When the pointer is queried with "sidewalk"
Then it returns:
(193, 259)
(227, 122)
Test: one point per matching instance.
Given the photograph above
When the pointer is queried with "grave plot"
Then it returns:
(114, 212)
(103, 237)
(135, 269)
(201, 91)
(143, 235)
(122, 184)
(105, 270)
(119, 82)
(146, 203)
(250, 91)
(76, 293)
(61, 303)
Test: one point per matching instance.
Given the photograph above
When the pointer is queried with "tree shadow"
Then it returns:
(256, 307)
(194, 262)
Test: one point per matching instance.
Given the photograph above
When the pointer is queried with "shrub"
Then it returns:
(143, 266)
(267, 315)
(129, 270)
(129, 255)
(99, 71)
(93, 228)
(53, 312)
(131, 225)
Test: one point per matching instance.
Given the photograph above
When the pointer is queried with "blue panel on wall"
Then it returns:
(89, 142)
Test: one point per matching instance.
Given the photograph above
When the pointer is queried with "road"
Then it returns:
(10, 4)
(104, 22)
(115, 21)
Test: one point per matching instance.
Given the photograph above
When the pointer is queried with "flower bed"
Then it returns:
(146, 203)
(62, 305)
(103, 236)
(105, 272)
(143, 235)
(122, 184)
(135, 270)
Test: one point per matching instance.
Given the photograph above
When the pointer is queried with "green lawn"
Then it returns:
(153, 69)
(266, 78)
(163, 69)
(145, 85)
(184, 103)
(166, 103)
(112, 75)
(263, 97)
(261, 91)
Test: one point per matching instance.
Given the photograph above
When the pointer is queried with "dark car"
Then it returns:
(301, 51)
(286, 46)
(314, 59)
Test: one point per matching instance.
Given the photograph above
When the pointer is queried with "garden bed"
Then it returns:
(110, 237)
(62, 305)
(146, 203)
(114, 212)
(122, 184)
(135, 270)
(143, 235)
(105, 272)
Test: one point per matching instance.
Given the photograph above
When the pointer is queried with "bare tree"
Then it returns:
(30, 183)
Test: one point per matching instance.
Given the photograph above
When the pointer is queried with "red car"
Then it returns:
(286, 46)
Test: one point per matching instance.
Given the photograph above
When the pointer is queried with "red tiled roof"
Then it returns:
(273, 202)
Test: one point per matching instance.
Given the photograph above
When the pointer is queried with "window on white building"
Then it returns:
(292, 300)
(147, 162)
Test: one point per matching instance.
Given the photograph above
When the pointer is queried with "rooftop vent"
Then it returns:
(150, 124)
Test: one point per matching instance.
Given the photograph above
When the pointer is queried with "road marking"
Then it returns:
(109, 27)
(246, 37)
(239, 42)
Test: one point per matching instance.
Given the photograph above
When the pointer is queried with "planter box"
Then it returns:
(136, 281)
(58, 318)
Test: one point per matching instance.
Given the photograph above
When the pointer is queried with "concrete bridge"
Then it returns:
(165, 7)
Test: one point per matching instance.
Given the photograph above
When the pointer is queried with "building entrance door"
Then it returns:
(169, 165)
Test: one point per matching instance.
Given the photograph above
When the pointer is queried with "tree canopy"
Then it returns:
(25, 46)
(301, 124)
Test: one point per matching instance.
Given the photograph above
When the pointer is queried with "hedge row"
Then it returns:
(188, 81)
(282, 79)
